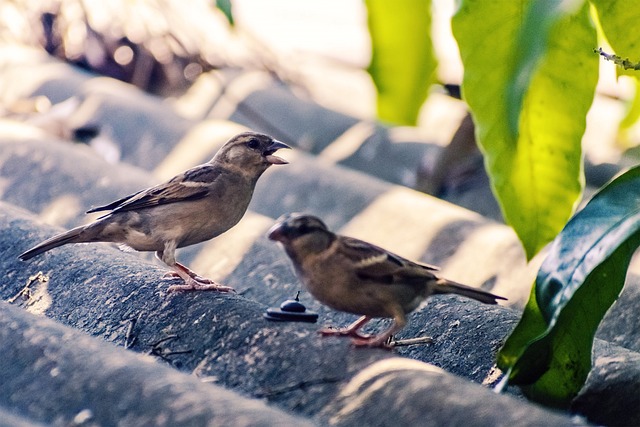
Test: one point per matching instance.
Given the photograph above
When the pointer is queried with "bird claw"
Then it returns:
(170, 275)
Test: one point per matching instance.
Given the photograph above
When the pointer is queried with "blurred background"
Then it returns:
(322, 50)
(163, 46)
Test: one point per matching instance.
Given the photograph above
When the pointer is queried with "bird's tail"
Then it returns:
(71, 236)
(448, 287)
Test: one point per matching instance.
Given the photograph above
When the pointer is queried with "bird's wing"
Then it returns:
(111, 206)
(373, 262)
(193, 184)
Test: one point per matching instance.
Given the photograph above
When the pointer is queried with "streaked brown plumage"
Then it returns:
(192, 207)
(357, 277)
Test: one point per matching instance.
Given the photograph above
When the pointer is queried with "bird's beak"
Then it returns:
(268, 153)
(276, 232)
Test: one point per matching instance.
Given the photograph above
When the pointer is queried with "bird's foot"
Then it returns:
(344, 332)
(170, 275)
(194, 284)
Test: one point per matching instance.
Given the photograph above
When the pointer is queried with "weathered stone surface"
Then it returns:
(611, 395)
(10, 419)
(620, 325)
(379, 393)
(58, 376)
(274, 109)
(144, 127)
(221, 337)
(333, 193)
(26, 69)
(61, 180)
(102, 291)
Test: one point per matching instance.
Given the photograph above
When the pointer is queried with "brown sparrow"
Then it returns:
(192, 207)
(357, 277)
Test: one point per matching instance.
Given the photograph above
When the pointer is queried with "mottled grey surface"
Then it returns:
(308, 125)
(223, 338)
(58, 376)
(38, 173)
(379, 393)
(620, 325)
(466, 334)
(611, 395)
(334, 193)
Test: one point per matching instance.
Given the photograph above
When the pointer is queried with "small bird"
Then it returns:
(357, 277)
(194, 206)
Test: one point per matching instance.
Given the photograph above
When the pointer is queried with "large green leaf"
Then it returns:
(531, 44)
(531, 140)
(549, 352)
(402, 62)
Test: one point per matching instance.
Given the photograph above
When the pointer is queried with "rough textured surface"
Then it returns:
(144, 128)
(95, 383)
(620, 325)
(223, 338)
(610, 395)
(437, 399)
(69, 170)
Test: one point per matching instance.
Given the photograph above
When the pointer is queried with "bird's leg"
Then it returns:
(191, 273)
(349, 331)
(192, 282)
(383, 340)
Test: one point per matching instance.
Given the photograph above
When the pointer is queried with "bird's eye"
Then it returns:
(253, 143)
(304, 227)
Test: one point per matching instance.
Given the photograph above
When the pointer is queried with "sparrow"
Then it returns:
(357, 277)
(194, 206)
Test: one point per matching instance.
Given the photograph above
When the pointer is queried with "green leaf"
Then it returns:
(549, 352)
(402, 62)
(633, 109)
(618, 20)
(225, 7)
(531, 44)
(534, 161)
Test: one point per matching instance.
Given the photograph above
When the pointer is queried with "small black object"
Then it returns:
(85, 134)
(291, 310)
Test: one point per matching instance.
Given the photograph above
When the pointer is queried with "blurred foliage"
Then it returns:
(225, 8)
(402, 62)
(631, 117)
(617, 19)
(161, 46)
